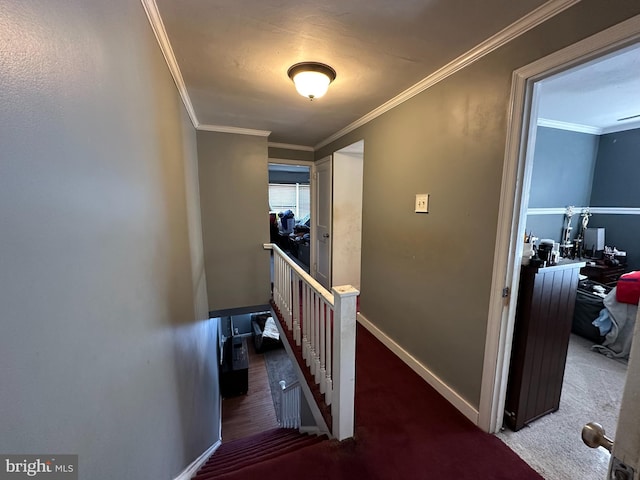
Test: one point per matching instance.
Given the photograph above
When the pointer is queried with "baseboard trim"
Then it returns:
(442, 388)
(191, 470)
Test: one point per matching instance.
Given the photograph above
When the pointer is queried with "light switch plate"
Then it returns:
(422, 203)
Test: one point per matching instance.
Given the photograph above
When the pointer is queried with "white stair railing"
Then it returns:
(289, 405)
(323, 325)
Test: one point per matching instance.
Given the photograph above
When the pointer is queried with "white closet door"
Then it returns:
(322, 221)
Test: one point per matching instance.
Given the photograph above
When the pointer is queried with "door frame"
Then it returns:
(516, 179)
(314, 207)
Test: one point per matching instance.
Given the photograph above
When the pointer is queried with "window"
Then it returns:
(295, 197)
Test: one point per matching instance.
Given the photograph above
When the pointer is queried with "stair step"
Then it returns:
(246, 452)
(255, 452)
(249, 443)
(252, 454)
(216, 470)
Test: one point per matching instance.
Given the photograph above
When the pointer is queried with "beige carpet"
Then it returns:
(591, 392)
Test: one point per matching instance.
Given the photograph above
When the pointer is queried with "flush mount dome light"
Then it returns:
(311, 79)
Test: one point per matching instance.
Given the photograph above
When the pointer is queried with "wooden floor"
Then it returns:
(252, 413)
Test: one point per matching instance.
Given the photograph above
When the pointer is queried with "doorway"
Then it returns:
(517, 194)
(337, 225)
(290, 208)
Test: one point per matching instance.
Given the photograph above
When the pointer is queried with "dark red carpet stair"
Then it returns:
(246, 452)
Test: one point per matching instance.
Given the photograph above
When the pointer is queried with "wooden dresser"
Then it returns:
(546, 299)
(605, 274)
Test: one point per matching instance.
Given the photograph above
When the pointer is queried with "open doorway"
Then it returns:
(290, 209)
(337, 224)
(546, 184)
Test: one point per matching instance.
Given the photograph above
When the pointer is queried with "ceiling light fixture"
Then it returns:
(311, 79)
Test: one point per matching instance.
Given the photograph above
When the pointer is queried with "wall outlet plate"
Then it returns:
(422, 203)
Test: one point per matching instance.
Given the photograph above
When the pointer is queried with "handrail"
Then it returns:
(313, 283)
(289, 404)
(291, 386)
(322, 327)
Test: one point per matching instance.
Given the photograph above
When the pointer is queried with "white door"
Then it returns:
(625, 459)
(322, 180)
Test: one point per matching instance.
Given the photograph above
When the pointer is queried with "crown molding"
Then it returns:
(157, 26)
(504, 36)
(236, 130)
(621, 128)
(576, 127)
(572, 127)
(290, 146)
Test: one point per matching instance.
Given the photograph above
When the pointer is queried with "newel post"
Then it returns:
(344, 360)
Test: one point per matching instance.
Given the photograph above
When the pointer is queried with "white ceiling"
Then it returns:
(595, 96)
(233, 56)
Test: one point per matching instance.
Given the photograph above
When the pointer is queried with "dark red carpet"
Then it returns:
(233, 456)
(404, 430)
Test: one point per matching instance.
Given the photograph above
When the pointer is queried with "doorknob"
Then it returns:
(325, 235)
(593, 435)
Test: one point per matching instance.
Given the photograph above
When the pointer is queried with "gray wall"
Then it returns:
(552, 225)
(586, 170)
(563, 172)
(106, 350)
(562, 168)
(235, 218)
(426, 278)
(617, 171)
(622, 232)
(616, 185)
(288, 154)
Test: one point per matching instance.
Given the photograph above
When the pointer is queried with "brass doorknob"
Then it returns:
(593, 435)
